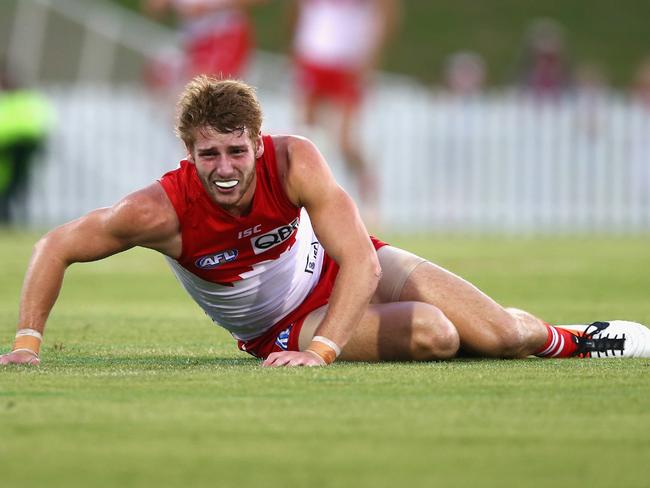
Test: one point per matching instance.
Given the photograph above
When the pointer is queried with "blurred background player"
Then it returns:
(216, 36)
(465, 73)
(337, 44)
(25, 118)
(544, 65)
(641, 83)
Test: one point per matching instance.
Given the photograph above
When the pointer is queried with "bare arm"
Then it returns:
(340, 230)
(144, 218)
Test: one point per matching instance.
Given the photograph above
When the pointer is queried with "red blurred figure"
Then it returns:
(641, 85)
(217, 37)
(544, 66)
(337, 45)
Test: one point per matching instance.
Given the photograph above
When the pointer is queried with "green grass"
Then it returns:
(138, 389)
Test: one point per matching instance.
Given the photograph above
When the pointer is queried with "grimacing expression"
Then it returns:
(225, 163)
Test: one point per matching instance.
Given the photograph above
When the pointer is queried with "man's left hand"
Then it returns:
(293, 358)
(19, 357)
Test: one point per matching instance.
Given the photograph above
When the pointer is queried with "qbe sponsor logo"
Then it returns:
(211, 261)
(274, 238)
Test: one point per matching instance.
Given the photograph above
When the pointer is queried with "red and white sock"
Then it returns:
(559, 344)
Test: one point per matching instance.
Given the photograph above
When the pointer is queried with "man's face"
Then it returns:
(225, 164)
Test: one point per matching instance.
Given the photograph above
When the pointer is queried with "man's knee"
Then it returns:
(507, 338)
(433, 335)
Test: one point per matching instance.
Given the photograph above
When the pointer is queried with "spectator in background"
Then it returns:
(641, 83)
(25, 117)
(544, 68)
(590, 79)
(465, 73)
(217, 38)
(591, 88)
(337, 44)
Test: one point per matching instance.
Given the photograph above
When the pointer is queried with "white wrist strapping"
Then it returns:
(29, 332)
(328, 343)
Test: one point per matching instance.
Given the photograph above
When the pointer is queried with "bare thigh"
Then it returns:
(393, 332)
(440, 301)
(485, 327)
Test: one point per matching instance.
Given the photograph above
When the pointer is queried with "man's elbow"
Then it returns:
(49, 246)
(45, 242)
(373, 270)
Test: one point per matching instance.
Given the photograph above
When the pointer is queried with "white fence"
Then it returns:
(498, 163)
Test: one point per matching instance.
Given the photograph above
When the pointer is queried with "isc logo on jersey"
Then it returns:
(274, 238)
(211, 261)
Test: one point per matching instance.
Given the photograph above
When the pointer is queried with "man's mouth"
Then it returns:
(226, 184)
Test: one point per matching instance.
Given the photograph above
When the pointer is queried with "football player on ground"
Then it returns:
(262, 237)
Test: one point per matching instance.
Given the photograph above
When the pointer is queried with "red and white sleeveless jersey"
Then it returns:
(247, 273)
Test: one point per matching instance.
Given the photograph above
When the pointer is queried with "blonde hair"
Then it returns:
(223, 105)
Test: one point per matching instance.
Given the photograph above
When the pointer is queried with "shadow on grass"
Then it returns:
(149, 362)
(54, 362)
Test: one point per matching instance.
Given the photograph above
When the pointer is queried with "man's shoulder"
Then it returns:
(284, 143)
(147, 218)
(300, 165)
(290, 151)
(146, 203)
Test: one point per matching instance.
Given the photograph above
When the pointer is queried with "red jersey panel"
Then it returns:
(247, 273)
(219, 247)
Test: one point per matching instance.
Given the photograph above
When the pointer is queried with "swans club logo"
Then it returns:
(211, 261)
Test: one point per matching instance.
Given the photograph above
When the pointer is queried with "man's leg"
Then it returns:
(393, 332)
(485, 328)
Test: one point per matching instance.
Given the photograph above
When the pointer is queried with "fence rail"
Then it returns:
(496, 163)
(501, 162)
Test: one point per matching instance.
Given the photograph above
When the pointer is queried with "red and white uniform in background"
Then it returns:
(254, 275)
(216, 42)
(334, 41)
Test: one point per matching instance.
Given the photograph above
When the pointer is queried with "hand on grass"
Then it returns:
(293, 358)
(19, 357)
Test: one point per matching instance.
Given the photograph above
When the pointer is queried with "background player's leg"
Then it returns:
(485, 328)
(393, 331)
(355, 160)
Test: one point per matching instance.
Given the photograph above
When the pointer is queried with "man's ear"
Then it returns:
(189, 157)
(259, 144)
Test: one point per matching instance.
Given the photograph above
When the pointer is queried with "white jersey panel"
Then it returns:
(335, 33)
(267, 293)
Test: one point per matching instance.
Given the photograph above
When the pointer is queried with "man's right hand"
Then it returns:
(19, 357)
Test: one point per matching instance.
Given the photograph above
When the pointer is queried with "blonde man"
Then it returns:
(263, 239)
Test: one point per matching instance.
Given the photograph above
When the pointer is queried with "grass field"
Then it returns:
(139, 389)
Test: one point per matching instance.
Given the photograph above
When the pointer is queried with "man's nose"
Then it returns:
(224, 167)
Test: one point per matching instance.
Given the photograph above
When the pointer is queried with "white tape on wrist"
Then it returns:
(29, 332)
(328, 343)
